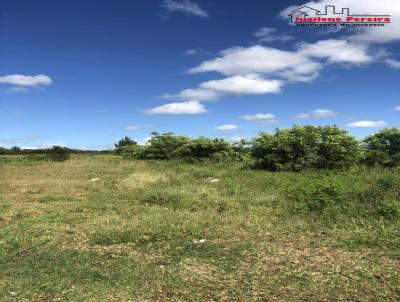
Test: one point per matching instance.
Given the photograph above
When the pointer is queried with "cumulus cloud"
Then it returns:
(258, 117)
(392, 63)
(258, 60)
(178, 108)
(300, 65)
(397, 108)
(195, 95)
(227, 127)
(259, 69)
(188, 7)
(268, 34)
(22, 80)
(248, 84)
(237, 85)
(367, 124)
(131, 128)
(318, 113)
(337, 51)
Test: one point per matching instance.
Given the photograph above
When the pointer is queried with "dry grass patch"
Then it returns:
(142, 178)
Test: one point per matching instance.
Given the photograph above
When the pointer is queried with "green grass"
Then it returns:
(160, 231)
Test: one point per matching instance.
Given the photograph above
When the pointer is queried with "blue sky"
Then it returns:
(86, 73)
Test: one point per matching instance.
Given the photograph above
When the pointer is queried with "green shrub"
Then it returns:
(202, 148)
(306, 147)
(131, 152)
(164, 146)
(124, 143)
(390, 209)
(331, 196)
(383, 148)
(316, 198)
(57, 153)
(167, 146)
(389, 182)
(36, 157)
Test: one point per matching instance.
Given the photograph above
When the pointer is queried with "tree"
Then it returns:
(383, 148)
(164, 146)
(305, 147)
(123, 143)
(337, 149)
(15, 150)
(57, 154)
(3, 151)
(203, 148)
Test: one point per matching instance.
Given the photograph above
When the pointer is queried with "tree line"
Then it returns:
(292, 149)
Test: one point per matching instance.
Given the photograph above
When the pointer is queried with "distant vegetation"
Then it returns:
(294, 149)
(55, 153)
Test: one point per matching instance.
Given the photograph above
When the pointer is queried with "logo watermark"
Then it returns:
(308, 16)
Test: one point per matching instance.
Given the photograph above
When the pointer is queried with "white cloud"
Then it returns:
(337, 51)
(186, 6)
(300, 65)
(397, 108)
(17, 90)
(264, 119)
(368, 124)
(318, 113)
(259, 69)
(196, 51)
(143, 141)
(248, 84)
(258, 117)
(248, 67)
(259, 60)
(392, 63)
(264, 31)
(193, 95)
(227, 127)
(178, 108)
(22, 80)
(267, 34)
(131, 128)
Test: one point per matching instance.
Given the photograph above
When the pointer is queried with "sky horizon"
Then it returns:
(84, 74)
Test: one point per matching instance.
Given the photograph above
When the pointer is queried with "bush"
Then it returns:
(383, 148)
(164, 146)
(57, 153)
(305, 147)
(390, 209)
(123, 144)
(330, 196)
(131, 152)
(36, 157)
(317, 198)
(203, 148)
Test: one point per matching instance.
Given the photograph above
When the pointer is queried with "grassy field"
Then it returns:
(162, 231)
